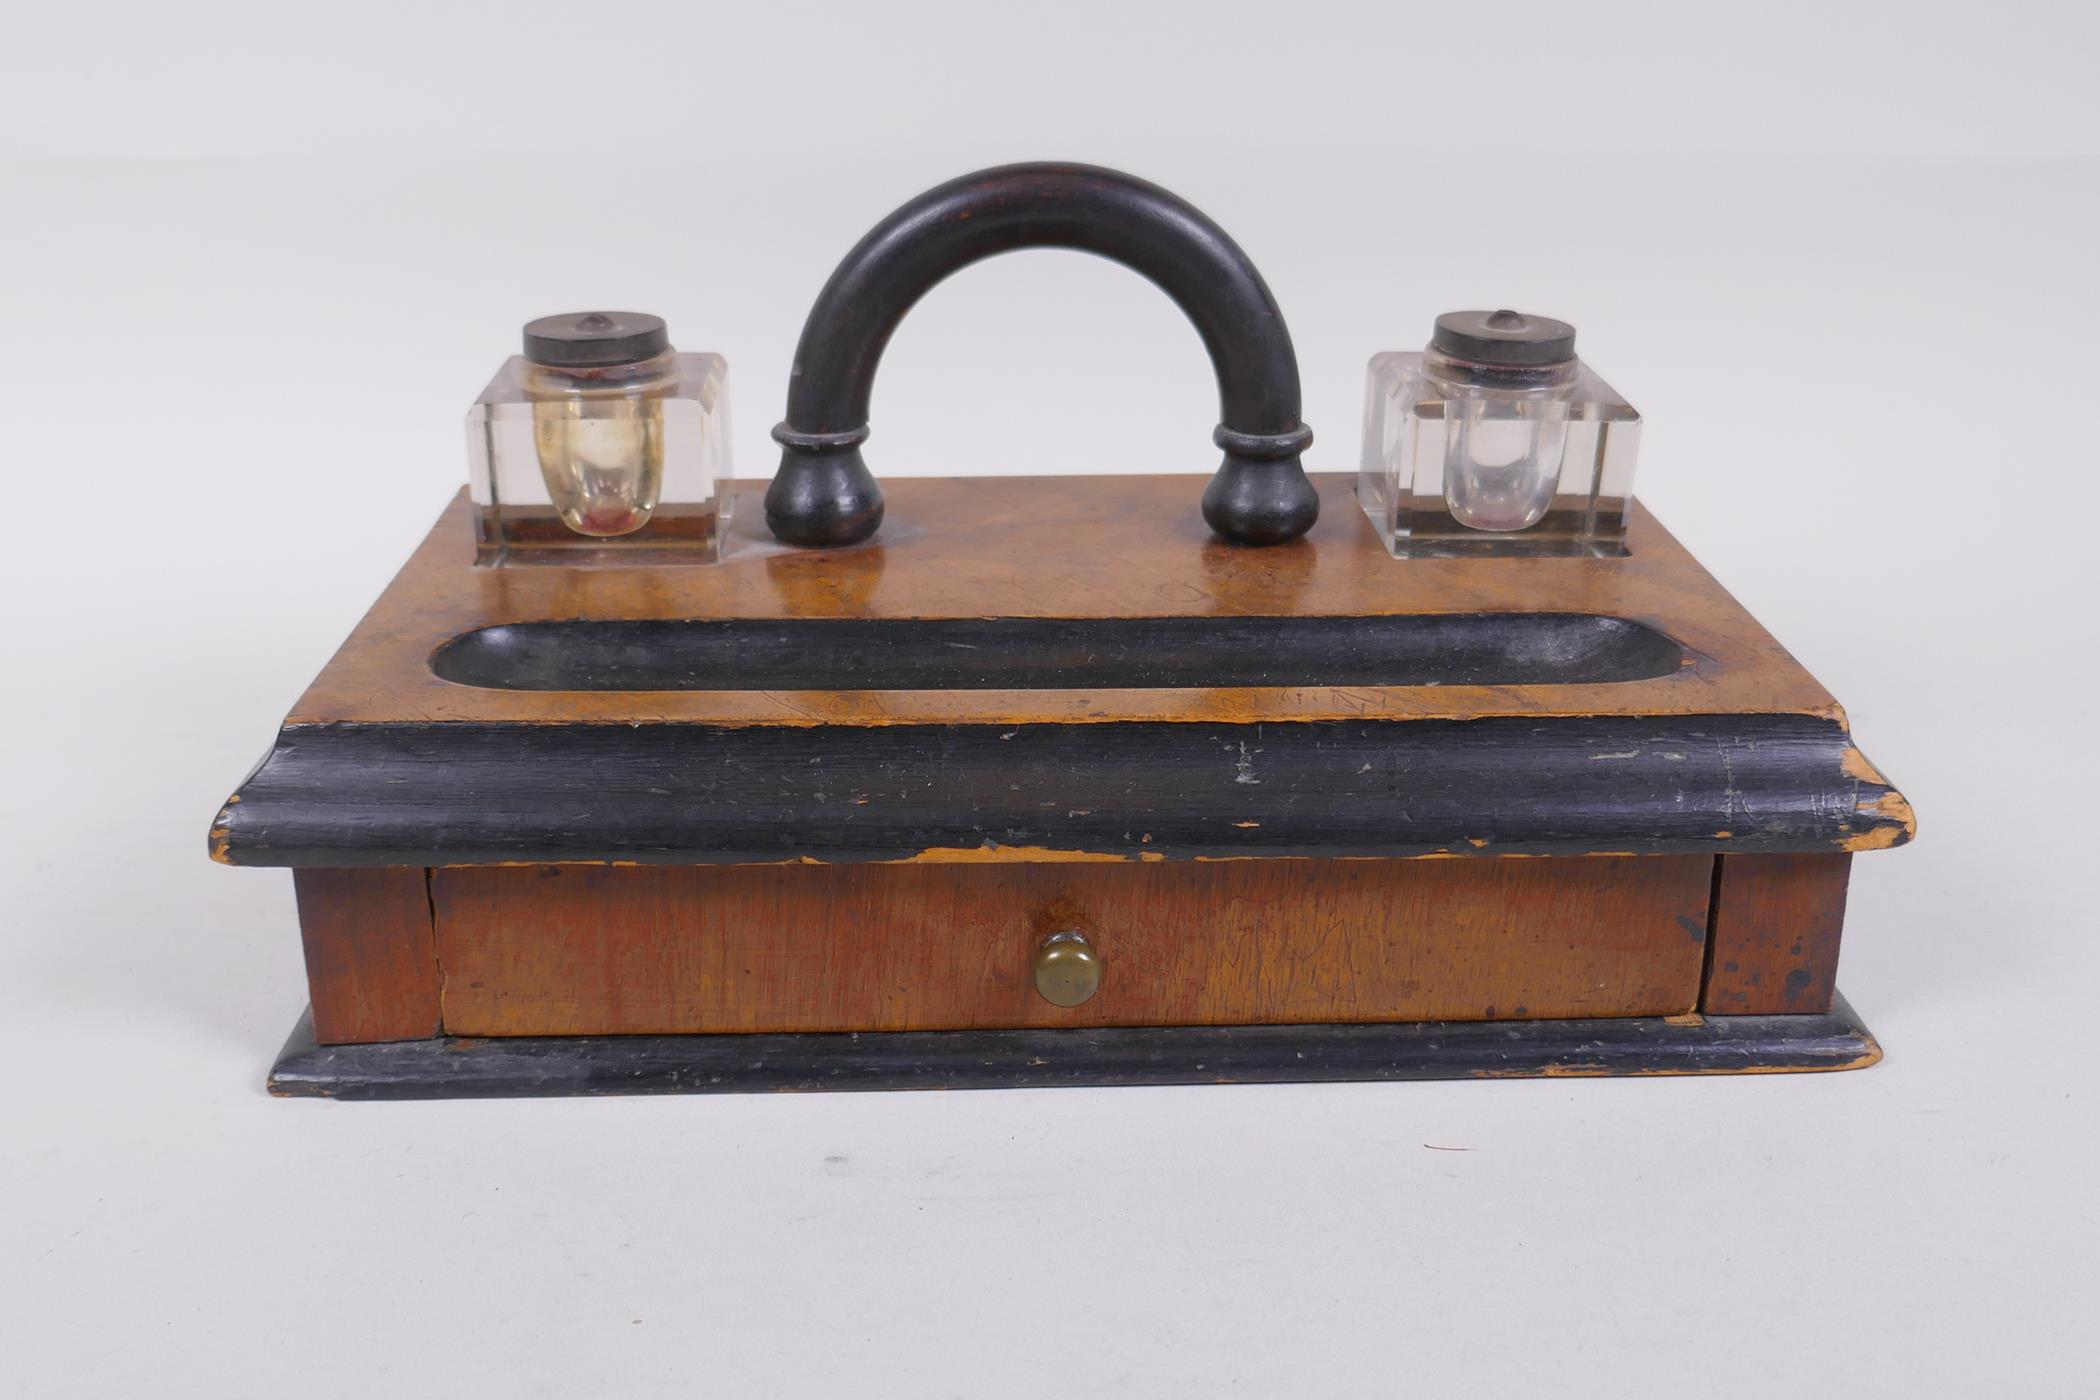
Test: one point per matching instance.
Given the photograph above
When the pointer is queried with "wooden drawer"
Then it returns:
(579, 950)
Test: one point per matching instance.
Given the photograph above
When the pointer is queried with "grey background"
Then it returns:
(256, 260)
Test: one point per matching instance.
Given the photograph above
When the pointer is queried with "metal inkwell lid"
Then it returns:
(595, 339)
(1504, 338)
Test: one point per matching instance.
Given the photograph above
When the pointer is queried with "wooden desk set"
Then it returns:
(1461, 766)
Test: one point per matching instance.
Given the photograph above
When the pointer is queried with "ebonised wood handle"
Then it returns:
(824, 493)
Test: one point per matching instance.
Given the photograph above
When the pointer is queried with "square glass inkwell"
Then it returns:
(1496, 441)
(601, 444)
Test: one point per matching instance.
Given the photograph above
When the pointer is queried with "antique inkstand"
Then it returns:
(1026, 781)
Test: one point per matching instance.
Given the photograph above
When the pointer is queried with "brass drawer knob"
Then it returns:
(1067, 969)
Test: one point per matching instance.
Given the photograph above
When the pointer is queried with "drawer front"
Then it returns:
(580, 950)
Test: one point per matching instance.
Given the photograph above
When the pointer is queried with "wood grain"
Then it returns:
(1731, 746)
(371, 965)
(1776, 925)
(1124, 546)
(566, 950)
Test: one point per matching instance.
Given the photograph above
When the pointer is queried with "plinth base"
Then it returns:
(551, 1066)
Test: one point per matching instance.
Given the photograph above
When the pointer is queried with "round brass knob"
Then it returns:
(1067, 969)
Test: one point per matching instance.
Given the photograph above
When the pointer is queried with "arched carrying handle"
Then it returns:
(824, 493)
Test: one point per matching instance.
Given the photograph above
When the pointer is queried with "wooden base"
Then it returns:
(553, 1066)
(807, 818)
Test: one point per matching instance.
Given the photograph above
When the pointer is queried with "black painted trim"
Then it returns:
(1058, 653)
(465, 794)
(537, 1067)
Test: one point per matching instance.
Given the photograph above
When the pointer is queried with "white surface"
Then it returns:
(254, 266)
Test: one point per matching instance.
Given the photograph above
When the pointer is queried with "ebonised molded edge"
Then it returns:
(701, 1064)
(468, 794)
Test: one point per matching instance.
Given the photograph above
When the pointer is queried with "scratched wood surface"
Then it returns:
(544, 1066)
(371, 965)
(1776, 926)
(1124, 546)
(569, 950)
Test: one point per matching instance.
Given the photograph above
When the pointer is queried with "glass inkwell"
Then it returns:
(601, 444)
(1496, 441)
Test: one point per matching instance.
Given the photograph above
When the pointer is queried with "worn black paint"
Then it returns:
(1054, 653)
(446, 794)
(824, 493)
(702, 1064)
